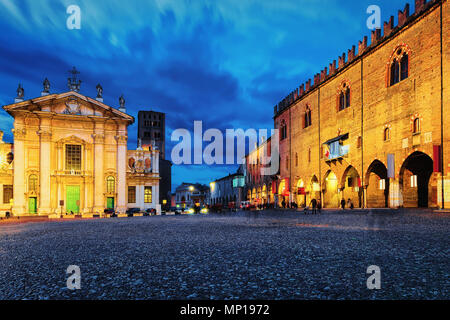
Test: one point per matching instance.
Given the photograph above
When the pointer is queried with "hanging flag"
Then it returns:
(437, 165)
(391, 165)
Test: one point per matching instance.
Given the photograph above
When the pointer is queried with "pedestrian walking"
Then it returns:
(343, 204)
(319, 207)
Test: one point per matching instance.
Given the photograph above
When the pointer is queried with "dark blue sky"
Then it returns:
(226, 62)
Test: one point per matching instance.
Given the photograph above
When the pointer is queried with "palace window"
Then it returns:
(73, 157)
(147, 194)
(32, 183)
(131, 194)
(7, 193)
(416, 125)
(344, 96)
(296, 159)
(399, 66)
(287, 163)
(387, 134)
(283, 130)
(307, 120)
(110, 184)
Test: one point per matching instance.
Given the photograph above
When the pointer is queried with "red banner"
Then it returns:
(437, 165)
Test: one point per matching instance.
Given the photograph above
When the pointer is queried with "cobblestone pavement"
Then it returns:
(263, 255)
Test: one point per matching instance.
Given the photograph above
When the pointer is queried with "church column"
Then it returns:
(99, 140)
(121, 172)
(45, 162)
(19, 172)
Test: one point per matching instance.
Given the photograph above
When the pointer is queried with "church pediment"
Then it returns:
(69, 103)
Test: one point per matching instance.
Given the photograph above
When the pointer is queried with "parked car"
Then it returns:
(175, 210)
(131, 211)
(151, 212)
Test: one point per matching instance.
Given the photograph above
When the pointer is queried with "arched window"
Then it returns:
(399, 66)
(404, 67)
(344, 96)
(307, 119)
(394, 72)
(110, 184)
(387, 134)
(283, 130)
(32, 183)
(416, 125)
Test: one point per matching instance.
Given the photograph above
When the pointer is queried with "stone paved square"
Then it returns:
(245, 255)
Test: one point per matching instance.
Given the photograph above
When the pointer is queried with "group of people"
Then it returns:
(349, 204)
(316, 205)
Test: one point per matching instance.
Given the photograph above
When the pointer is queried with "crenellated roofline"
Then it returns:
(405, 20)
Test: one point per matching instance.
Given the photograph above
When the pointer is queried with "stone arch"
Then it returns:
(416, 186)
(377, 185)
(301, 193)
(351, 186)
(312, 190)
(330, 190)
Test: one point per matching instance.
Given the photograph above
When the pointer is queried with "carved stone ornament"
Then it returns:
(72, 107)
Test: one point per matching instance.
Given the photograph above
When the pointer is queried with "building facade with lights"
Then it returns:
(374, 128)
(228, 191)
(70, 156)
(188, 195)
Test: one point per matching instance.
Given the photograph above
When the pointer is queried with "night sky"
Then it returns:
(225, 62)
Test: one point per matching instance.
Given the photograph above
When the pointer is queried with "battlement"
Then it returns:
(404, 18)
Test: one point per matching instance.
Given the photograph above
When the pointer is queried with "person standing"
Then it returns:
(343, 204)
(319, 207)
(314, 206)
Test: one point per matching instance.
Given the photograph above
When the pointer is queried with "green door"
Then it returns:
(110, 203)
(73, 199)
(32, 205)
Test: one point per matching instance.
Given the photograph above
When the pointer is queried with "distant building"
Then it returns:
(228, 191)
(188, 195)
(152, 132)
(260, 189)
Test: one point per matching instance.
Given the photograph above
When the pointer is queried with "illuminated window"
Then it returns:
(387, 134)
(32, 183)
(414, 181)
(382, 184)
(7, 193)
(110, 184)
(132, 194)
(73, 157)
(416, 125)
(148, 195)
